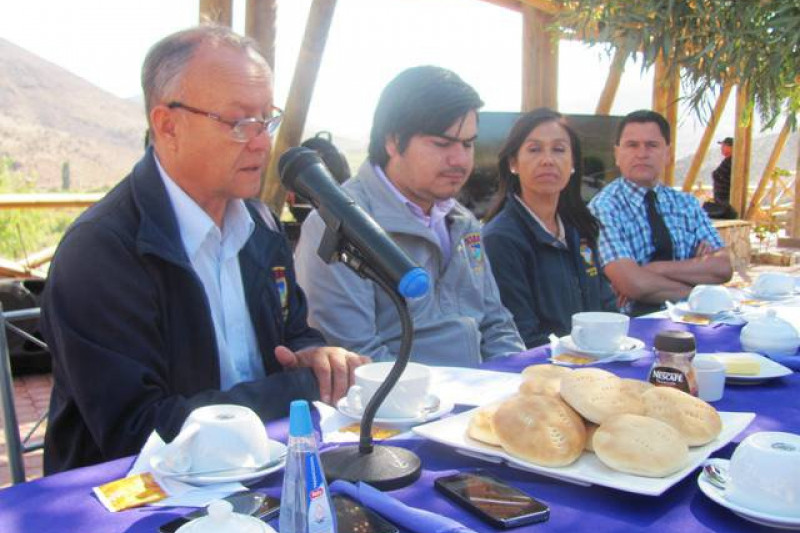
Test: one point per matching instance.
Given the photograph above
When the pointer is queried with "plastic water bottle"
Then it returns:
(305, 500)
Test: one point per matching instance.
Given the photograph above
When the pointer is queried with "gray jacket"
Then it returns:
(460, 322)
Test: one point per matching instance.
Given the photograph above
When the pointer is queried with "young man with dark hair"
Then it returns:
(655, 243)
(420, 155)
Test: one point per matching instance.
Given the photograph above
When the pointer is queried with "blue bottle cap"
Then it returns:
(414, 283)
(299, 419)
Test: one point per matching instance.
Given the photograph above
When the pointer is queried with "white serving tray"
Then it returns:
(587, 470)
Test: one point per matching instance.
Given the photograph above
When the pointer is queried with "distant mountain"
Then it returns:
(762, 148)
(49, 116)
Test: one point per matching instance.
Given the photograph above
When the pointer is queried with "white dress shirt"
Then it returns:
(214, 254)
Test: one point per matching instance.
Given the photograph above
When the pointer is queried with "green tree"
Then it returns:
(710, 41)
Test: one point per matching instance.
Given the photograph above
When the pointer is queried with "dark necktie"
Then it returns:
(662, 241)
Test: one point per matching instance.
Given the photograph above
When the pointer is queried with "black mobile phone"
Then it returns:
(492, 499)
(352, 517)
(249, 503)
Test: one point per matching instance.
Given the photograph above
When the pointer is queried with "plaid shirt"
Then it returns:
(625, 230)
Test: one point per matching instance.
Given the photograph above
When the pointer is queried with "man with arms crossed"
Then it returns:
(655, 243)
(173, 292)
(420, 155)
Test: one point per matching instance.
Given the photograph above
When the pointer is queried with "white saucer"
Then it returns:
(749, 293)
(765, 519)
(628, 345)
(276, 449)
(444, 407)
(684, 309)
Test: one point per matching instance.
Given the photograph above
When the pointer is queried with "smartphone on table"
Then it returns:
(248, 503)
(352, 517)
(492, 499)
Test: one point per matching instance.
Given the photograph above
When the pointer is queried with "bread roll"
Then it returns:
(547, 371)
(640, 445)
(637, 386)
(591, 427)
(480, 425)
(541, 429)
(697, 421)
(598, 395)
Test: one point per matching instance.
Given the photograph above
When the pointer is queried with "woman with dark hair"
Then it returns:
(540, 238)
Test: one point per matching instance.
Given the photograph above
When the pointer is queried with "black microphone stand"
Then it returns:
(383, 467)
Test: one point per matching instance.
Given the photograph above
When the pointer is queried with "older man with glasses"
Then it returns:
(177, 291)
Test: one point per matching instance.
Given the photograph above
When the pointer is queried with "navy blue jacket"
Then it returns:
(542, 283)
(131, 334)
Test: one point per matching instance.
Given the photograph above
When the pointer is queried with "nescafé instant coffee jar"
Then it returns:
(673, 365)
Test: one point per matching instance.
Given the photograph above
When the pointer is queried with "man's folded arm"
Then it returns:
(637, 283)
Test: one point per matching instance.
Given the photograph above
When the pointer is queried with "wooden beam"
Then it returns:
(666, 91)
(545, 6)
(740, 171)
(615, 72)
(259, 24)
(320, 16)
(795, 211)
(780, 142)
(45, 200)
(708, 134)
(539, 60)
(218, 11)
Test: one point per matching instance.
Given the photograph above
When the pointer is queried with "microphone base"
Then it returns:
(386, 468)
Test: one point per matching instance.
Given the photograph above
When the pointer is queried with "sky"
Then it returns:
(370, 41)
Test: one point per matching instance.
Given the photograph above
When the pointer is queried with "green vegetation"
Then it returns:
(710, 41)
(26, 231)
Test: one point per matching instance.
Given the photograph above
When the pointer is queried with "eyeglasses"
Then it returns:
(242, 130)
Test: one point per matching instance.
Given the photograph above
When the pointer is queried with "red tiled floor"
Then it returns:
(31, 397)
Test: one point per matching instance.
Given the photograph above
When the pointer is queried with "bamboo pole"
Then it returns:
(612, 81)
(218, 11)
(708, 134)
(666, 91)
(319, 21)
(259, 24)
(659, 99)
(539, 60)
(741, 149)
(780, 142)
(45, 200)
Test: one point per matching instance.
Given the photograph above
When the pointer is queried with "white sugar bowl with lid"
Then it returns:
(771, 335)
(222, 519)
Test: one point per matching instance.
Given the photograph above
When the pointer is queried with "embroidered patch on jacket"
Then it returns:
(588, 259)
(279, 276)
(474, 248)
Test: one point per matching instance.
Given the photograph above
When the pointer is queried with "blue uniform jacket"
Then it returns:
(542, 283)
(131, 334)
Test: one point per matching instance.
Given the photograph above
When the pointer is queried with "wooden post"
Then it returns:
(539, 60)
(708, 134)
(795, 210)
(259, 24)
(666, 91)
(219, 11)
(320, 16)
(612, 81)
(740, 172)
(780, 142)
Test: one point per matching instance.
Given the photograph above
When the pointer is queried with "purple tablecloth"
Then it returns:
(64, 502)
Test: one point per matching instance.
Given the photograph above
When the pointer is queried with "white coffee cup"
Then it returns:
(765, 474)
(710, 299)
(406, 399)
(773, 284)
(710, 376)
(599, 331)
(217, 437)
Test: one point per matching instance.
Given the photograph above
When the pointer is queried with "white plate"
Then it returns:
(587, 470)
(276, 449)
(444, 407)
(684, 309)
(769, 369)
(765, 519)
(749, 293)
(629, 344)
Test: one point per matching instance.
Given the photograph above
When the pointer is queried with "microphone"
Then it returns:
(303, 172)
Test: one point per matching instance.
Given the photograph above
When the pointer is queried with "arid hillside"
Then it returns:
(49, 116)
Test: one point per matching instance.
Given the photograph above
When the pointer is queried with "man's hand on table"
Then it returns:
(333, 367)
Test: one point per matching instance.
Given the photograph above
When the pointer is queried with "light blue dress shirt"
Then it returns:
(214, 254)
